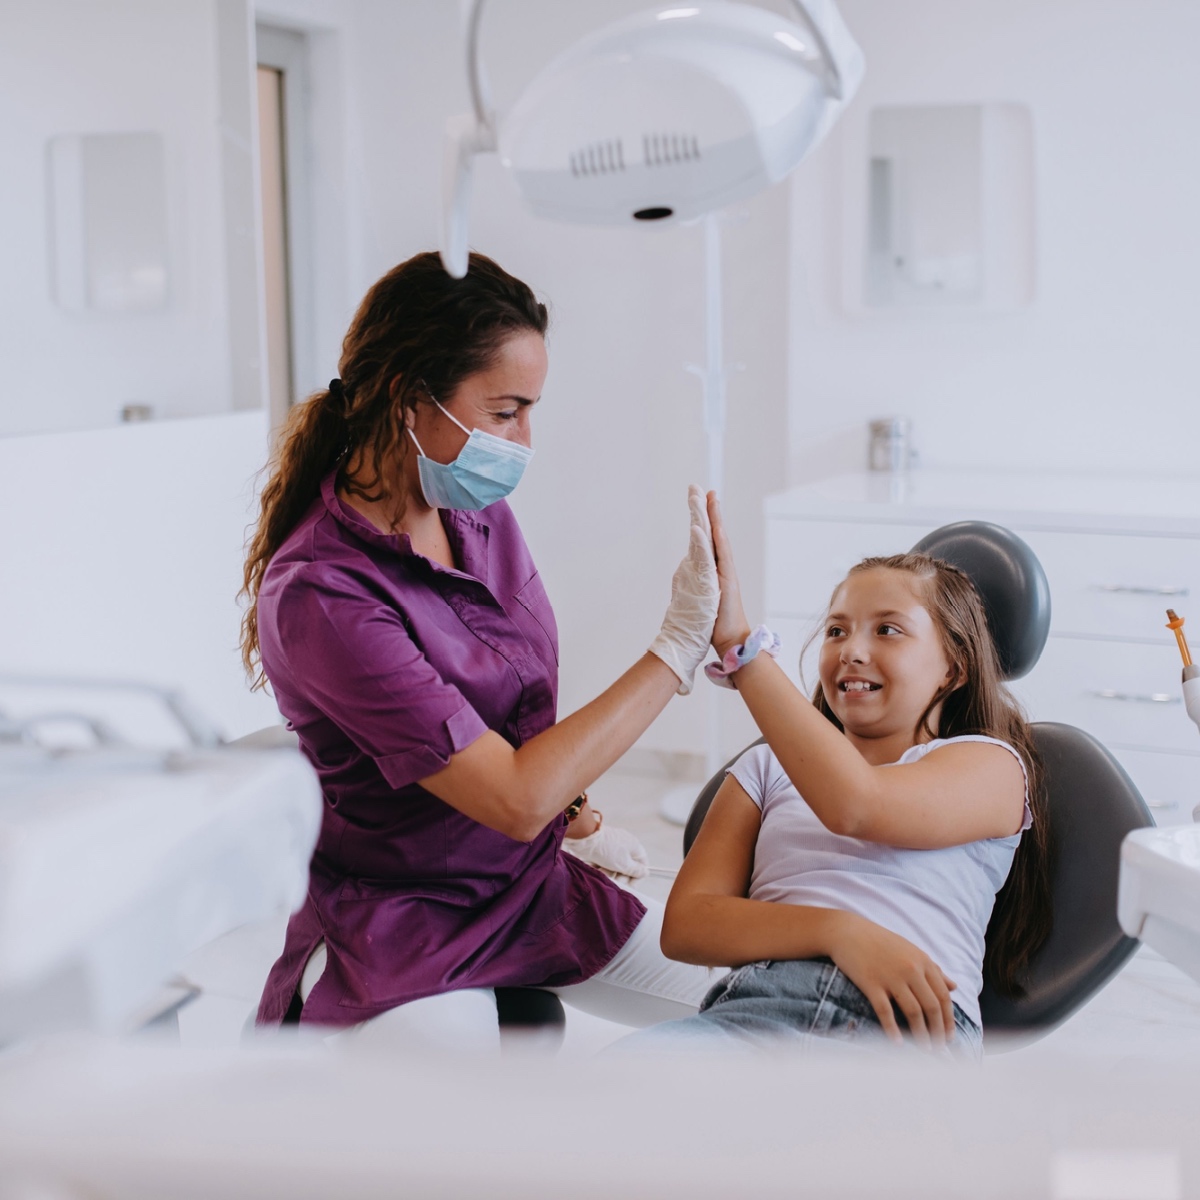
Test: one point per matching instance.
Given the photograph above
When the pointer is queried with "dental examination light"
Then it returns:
(663, 116)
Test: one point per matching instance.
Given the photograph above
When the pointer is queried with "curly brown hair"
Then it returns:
(417, 334)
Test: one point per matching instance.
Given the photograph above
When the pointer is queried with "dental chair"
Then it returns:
(1092, 805)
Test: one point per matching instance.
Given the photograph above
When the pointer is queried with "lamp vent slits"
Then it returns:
(666, 149)
(600, 158)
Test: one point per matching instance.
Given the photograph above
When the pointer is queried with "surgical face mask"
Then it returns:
(486, 470)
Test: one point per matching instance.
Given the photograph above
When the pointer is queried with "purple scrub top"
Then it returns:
(386, 664)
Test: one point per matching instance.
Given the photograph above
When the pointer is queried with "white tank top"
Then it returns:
(940, 900)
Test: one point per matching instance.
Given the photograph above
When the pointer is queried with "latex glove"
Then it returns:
(682, 643)
(614, 851)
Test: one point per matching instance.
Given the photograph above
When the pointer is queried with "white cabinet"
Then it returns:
(1117, 552)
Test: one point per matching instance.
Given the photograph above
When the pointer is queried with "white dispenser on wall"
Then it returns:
(949, 200)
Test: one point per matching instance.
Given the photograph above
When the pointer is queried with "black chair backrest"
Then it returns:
(1092, 802)
(1009, 579)
(705, 798)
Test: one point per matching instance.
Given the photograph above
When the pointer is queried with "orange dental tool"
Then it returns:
(1175, 624)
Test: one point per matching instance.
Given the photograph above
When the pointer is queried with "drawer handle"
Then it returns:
(1134, 590)
(1136, 698)
(1162, 803)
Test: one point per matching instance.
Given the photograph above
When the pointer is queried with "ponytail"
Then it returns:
(313, 438)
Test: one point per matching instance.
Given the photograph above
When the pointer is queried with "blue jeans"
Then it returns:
(791, 1001)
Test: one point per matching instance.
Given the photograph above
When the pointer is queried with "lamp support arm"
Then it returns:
(832, 71)
(481, 102)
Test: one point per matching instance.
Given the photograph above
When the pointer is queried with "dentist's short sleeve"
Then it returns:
(361, 668)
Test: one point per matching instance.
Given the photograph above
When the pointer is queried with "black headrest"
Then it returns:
(1007, 574)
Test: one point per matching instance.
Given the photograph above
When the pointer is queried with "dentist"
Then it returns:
(404, 630)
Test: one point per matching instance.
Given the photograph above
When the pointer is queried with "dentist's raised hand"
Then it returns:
(731, 627)
(686, 632)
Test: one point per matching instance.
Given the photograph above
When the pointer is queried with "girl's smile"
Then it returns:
(882, 659)
(855, 686)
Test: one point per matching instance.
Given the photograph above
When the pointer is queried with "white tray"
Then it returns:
(1158, 899)
(115, 864)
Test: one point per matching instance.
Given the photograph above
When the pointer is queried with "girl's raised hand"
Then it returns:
(888, 969)
(731, 628)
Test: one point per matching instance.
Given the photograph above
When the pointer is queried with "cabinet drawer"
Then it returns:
(806, 560)
(1122, 693)
(1113, 585)
(1169, 783)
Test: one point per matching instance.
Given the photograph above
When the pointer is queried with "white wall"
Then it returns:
(121, 557)
(1099, 373)
(76, 67)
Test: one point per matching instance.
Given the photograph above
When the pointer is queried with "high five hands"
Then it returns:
(706, 599)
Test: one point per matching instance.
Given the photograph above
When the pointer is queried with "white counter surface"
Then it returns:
(1103, 504)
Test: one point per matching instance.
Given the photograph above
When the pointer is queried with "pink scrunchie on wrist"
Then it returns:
(761, 640)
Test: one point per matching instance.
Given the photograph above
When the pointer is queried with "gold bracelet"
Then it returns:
(575, 807)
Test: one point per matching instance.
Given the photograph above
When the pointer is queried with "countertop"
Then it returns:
(1167, 507)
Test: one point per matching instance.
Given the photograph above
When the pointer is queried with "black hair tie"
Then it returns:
(337, 397)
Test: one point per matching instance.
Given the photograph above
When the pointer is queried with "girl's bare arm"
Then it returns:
(710, 920)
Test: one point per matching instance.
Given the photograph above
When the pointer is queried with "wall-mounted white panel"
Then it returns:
(111, 70)
(949, 207)
(925, 205)
(108, 222)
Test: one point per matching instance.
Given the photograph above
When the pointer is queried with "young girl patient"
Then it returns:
(848, 868)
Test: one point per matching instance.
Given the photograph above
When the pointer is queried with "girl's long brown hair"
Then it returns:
(976, 701)
(417, 334)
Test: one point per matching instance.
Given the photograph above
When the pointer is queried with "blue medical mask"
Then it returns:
(486, 470)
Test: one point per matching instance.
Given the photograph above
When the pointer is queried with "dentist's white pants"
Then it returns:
(638, 987)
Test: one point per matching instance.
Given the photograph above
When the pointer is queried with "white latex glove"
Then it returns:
(683, 641)
(614, 851)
